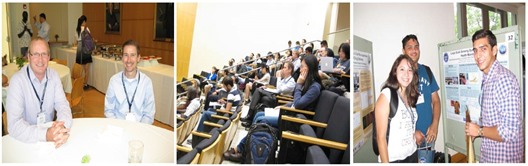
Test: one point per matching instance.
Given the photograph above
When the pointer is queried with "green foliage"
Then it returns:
(20, 62)
(85, 159)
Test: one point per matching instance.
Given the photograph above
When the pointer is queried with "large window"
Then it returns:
(470, 17)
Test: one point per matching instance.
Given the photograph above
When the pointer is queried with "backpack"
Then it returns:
(429, 72)
(261, 145)
(87, 42)
(393, 108)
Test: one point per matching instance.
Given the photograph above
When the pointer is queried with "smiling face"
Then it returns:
(39, 57)
(130, 58)
(404, 73)
(412, 48)
(484, 54)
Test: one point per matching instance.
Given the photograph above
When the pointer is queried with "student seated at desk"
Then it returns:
(285, 86)
(233, 100)
(192, 102)
(306, 94)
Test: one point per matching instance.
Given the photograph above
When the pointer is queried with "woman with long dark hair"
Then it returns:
(82, 58)
(401, 145)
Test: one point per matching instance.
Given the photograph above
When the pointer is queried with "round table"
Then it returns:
(63, 71)
(104, 140)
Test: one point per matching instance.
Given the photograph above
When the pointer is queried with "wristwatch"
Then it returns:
(480, 131)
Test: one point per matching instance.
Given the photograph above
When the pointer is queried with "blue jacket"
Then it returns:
(308, 101)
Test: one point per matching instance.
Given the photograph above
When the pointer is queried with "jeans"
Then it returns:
(205, 116)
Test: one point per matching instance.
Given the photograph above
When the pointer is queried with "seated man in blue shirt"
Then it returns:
(35, 95)
(130, 95)
(233, 100)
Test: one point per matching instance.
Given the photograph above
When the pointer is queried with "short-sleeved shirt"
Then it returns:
(234, 98)
(426, 86)
(26, 38)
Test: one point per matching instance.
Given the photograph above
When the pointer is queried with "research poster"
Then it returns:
(462, 80)
(363, 97)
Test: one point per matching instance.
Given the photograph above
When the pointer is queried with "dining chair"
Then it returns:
(75, 98)
(77, 71)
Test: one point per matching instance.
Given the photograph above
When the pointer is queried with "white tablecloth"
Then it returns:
(63, 71)
(102, 69)
(86, 139)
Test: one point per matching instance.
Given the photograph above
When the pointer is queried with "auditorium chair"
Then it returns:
(335, 138)
(208, 146)
(187, 155)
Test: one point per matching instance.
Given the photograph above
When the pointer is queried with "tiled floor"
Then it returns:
(92, 106)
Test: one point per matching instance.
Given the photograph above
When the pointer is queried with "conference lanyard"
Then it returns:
(41, 101)
(126, 93)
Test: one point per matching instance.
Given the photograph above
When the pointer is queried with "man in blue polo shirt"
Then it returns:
(428, 104)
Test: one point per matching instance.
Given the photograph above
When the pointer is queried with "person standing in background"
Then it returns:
(43, 26)
(24, 34)
(82, 58)
(428, 104)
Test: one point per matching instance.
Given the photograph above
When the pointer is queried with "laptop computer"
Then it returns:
(327, 64)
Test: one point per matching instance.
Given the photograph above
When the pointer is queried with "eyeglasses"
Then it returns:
(44, 54)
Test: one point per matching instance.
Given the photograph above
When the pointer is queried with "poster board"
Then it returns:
(364, 100)
(460, 82)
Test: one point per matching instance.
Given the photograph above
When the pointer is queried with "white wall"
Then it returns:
(234, 30)
(5, 36)
(67, 22)
(385, 25)
(75, 11)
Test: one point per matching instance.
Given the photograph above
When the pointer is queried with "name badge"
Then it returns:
(41, 119)
(131, 117)
(420, 99)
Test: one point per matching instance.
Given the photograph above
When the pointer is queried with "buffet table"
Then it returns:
(103, 140)
(102, 69)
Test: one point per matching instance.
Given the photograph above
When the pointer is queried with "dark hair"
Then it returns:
(215, 70)
(264, 66)
(324, 43)
(412, 89)
(313, 72)
(308, 49)
(298, 43)
(407, 38)
(131, 43)
(79, 23)
(485, 33)
(24, 13)
(42, 15)
(304, 40)
(227, 81)
(346, 49)
(289, 42)
(192, 93)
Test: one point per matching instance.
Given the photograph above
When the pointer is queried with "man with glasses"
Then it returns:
(35, 95)
(130, 95)
(502, 130)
